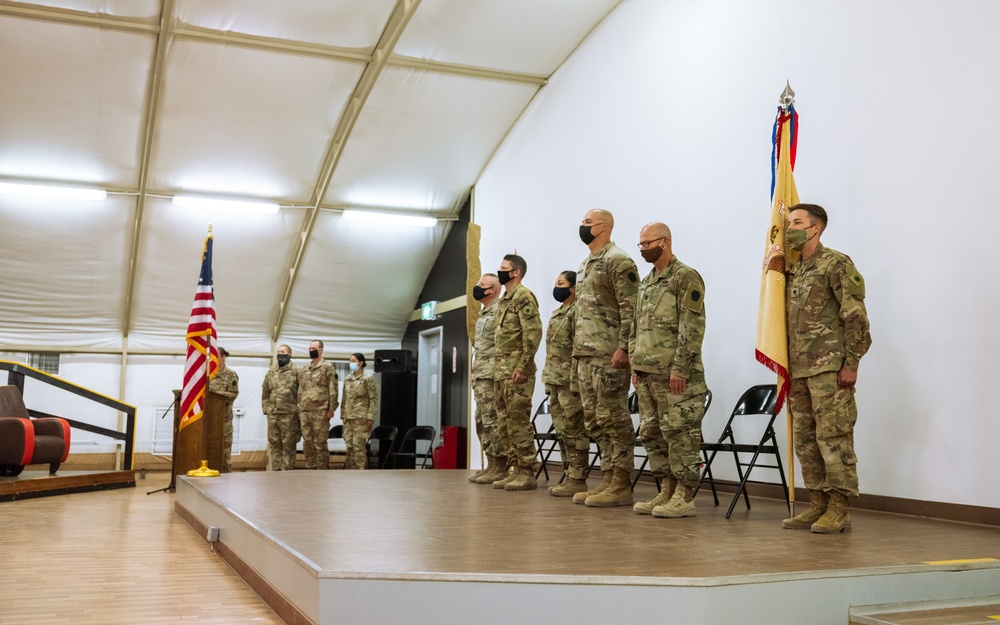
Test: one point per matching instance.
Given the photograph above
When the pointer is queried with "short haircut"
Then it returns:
(516, 262)
(317, 341)
(288, 347)
(491, 275)
(816, 212)
(360, 357)
(570, 277)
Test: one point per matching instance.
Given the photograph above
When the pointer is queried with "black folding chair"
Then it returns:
(383, 436)
(758, 400)
(545, 442)
(410, 439)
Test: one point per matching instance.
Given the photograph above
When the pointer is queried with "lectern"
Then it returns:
(201, 440)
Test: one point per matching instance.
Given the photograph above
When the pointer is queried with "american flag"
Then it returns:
(202, 346)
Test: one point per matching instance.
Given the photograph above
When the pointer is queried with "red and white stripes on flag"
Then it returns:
(202, 344)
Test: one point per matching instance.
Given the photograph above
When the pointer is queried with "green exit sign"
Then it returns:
(427, 311)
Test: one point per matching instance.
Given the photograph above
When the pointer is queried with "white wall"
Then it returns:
(665, 113)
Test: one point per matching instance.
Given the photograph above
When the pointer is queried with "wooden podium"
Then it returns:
(201, 440)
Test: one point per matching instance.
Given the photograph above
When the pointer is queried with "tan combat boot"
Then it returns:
(581, 497)
(680, 505)
(667, 487)
(524, 479)
(568, 488)
(481, 472)
(836, 519)
(619, 493)
(507, 477)
(498, 470)
(804, 520)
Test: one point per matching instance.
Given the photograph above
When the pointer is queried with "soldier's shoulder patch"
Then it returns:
(856, 284)
(694, 297)
(632, 277)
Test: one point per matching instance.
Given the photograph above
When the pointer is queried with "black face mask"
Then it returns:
(586, 235)
(284, 359)
(504, 277)
(478, 293)
(314, 353)
(561, 293)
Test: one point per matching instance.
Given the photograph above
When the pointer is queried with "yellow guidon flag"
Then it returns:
(772, 322)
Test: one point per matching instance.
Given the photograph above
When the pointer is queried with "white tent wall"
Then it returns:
(665, 113)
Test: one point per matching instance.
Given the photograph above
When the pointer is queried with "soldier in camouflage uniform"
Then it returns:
(360, 405)
(487, 293)
(828, 333)
(560, 379)
(518, 334)
(279, 401)
(605, 290)
(317, 402)
(669, 377)
(226, 383)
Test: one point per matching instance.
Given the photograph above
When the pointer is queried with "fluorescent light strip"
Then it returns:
(390, 218)
(241, 206)
(65, 193)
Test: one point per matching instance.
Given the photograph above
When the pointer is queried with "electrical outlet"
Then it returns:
(213, 534)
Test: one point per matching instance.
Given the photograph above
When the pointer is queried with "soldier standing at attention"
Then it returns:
(828, 333)
(279, 400)
(518, 334)
(360, 403)
(605, 300)
(559, 377)
(669, 377)
(317, 401)
(226, 383)
(487, 293)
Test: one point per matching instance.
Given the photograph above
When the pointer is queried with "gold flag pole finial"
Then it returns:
(787, 97)
(209, 228)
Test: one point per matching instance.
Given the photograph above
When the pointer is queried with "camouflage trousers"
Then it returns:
(484, 390)
(823, 418)
(604, 392)
(514, 433)
(356, 432)
(567, 417)
(283, 432)
(670, 427)
(315, 432)
(227, 442)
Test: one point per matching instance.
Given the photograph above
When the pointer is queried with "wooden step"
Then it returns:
(973, 611)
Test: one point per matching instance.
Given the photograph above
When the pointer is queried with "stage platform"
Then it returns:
(40, 484)
(357, 547)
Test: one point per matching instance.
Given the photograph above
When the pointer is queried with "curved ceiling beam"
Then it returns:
(398, 20)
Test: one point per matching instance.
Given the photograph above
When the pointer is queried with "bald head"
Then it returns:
(654, 230)
(599, 215)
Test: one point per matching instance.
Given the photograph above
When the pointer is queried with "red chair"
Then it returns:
(25, 441)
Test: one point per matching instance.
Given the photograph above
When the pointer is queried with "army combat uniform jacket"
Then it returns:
(360, 398)
(318, 388)
(226, 383)
(669, 325)
(827, 321)
(518, 334)
(485, 342)
(605, 300)
(280, 391)
(560, 368)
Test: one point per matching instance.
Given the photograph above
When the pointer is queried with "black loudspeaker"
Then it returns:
(398, 406)
(393, 361)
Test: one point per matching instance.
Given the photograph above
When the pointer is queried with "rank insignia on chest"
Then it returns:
(795, 291)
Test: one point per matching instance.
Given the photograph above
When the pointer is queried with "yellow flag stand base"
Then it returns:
(203, 471)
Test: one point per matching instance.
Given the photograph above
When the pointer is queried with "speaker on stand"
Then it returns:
(397, 394)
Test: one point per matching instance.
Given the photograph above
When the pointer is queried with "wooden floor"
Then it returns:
(31, 484)
(110, 557)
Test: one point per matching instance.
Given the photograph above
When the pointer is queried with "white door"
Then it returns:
(429, 379)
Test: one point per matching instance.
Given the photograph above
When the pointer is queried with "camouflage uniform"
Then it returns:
(605, 298)
(226, 383)
(360, 404)
(317, 396)
(827, 331)
(667, 333)
(483, 386)
(559, 377)
(518, 334)
(279, 401)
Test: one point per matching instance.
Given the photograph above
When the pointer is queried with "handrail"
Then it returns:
(17, 371)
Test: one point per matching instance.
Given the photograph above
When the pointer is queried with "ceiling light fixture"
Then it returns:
(65, 193)
(390, 218)
(241, 206)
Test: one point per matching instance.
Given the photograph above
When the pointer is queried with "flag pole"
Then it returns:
(787, 99)
(208, 339)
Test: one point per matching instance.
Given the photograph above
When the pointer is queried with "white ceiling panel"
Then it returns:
(391, 262)
(146, 10)
(341, 23)
(250, 257)
(515, 35)
(423, 138)
(246, 122)
(71, 109)
(63, 264)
